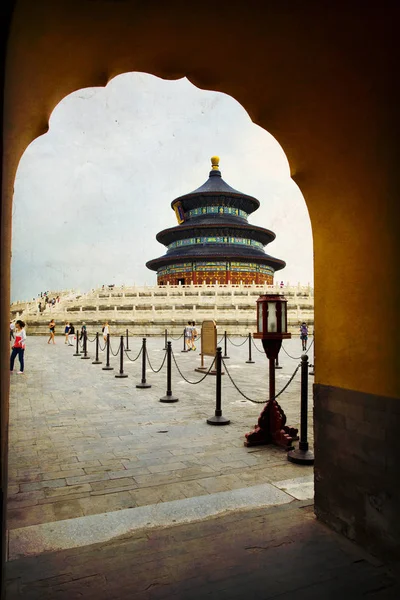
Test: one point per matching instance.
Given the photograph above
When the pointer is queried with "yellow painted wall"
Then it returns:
(317, 76)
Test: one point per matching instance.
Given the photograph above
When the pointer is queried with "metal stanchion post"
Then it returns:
(302, 455)
(143, 383)
(313, 366)
(184, 341)
(121, 373)
(77, 353)
(218, 419)
(168, 396)
(127, 349)
(107, 367)
(250, 360)
(166, 339)
(225, 345)
(96, 360)
(85, 354)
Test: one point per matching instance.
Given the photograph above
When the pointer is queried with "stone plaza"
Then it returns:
(84, 442)
(114, 494)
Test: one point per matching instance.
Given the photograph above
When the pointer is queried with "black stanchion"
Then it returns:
(121, 373)
(225, 346)
(85, 354)
(277, 366)
(168, 396)
(302, 455)
(96, 361)
(166, 339)
(184, 341)
(313, 366)
(127, 349)
(108, 367)
(250, 360)
(77, 353)
(143, 383)
(218, 419)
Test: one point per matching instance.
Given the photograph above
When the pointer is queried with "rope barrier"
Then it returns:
(238, 345)
(187, 380)
(104, 347)
(297, 357)
(133, 359)
(162, 364)
(116, 353)
(220, 340)
(256, 347)
(89, 340)
(175, 339)
(260, 401)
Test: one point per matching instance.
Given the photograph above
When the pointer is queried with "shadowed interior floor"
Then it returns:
(281, 552)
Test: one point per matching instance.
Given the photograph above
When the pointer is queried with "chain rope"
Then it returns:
(187, 380)
(162, 364)
(117, 352)
(89, 340)
(256, 347)
(133, 359)
(297, 357)
(238, 345)
(260, 401)
(175, 339)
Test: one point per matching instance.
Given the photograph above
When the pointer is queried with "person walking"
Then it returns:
(66, 332)
(303, 336)
(194, 335)
(188, 336)
(106, 330)
(83, 329)
(71, 332)
(18, 348)
(52, 330)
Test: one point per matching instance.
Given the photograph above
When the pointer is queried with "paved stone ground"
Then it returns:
(87, 449)
(83, 442)
(279, 553)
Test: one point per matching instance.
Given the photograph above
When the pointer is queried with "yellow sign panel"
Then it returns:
(208, 338)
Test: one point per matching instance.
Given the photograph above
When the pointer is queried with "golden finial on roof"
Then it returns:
(215, 163)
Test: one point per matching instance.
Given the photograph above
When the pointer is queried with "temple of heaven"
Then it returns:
(213, 241)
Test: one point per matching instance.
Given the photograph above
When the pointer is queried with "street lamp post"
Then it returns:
(271, 427)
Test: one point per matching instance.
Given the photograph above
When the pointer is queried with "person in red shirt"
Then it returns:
(18, 348)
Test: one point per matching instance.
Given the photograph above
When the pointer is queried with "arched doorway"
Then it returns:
(313, 79)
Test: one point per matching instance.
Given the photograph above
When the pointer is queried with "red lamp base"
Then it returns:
(271, 428)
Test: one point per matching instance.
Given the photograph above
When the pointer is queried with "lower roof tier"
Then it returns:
(214, 256)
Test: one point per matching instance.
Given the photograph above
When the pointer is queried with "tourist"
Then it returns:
(194, 335)
(66, 332)
(105, 330)
(188, 336)
(71, 331)
(83, 331)
(52, 330)
(303, 336)
(18, 348)
(12, 327)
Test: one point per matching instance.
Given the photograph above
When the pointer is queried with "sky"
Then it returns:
(92, 193)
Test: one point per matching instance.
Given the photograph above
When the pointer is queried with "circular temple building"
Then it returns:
(213, 241)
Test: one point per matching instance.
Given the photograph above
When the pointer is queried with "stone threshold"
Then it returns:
(101, 528)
